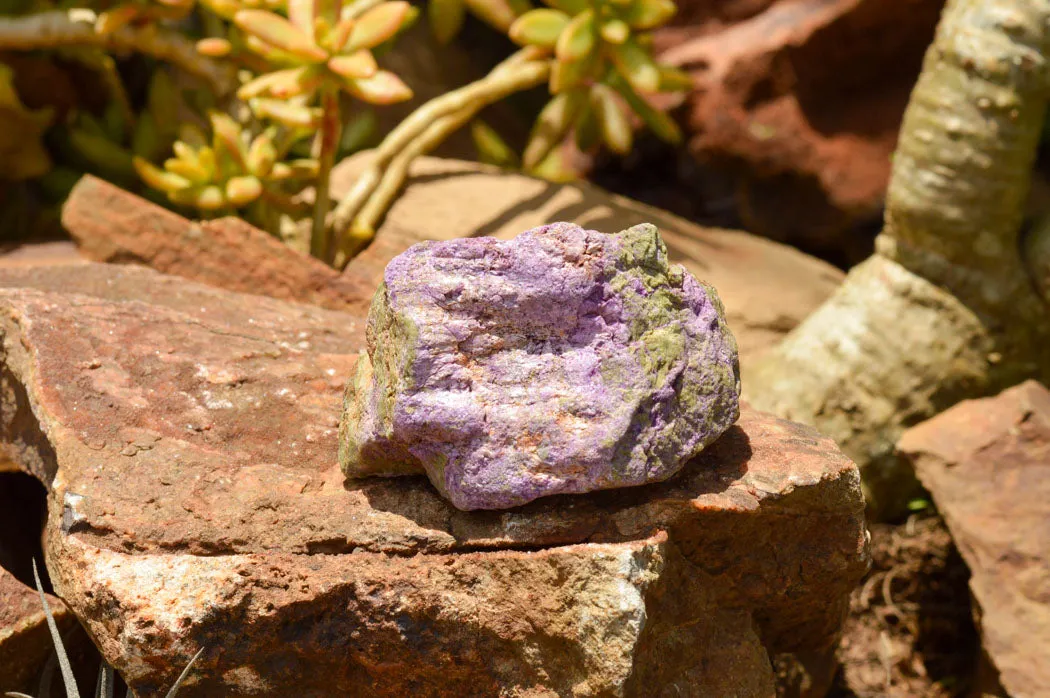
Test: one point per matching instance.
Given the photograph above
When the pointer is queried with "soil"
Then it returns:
(910, 631)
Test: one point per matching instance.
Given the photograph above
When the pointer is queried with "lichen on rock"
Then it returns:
(562, 361)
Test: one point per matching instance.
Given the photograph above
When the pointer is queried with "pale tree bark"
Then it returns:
(948, 307)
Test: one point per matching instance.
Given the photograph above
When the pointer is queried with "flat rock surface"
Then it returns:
(189, 439)
(987, 464)
(562, 361)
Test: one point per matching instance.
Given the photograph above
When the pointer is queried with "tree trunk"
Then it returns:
(947, 308)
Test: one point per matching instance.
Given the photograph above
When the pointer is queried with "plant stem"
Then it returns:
(423, 130)
(45, 30)
(331, 127)
(946, 309)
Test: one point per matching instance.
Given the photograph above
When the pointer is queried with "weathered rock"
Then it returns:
(25, 642)
(987, 464)
(562, 361)
(803, 99)
(767, 288)
(110, 224)
(198, 502)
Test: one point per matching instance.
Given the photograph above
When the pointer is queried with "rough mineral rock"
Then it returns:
(197, 502)
(987, 464)
(562, 361)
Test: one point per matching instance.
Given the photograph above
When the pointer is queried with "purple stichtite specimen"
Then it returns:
(562, 361)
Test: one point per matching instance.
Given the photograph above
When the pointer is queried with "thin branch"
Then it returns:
(76, 28)
(426, 124)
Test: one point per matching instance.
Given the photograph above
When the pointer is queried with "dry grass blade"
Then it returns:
(182, 677)
(60, 650)
(104, 689)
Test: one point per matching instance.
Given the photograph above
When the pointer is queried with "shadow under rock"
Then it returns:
(566, 518)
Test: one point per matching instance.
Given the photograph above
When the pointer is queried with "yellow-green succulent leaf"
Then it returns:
(209, 198)
(499, 14)
(382, 88)
(280, 33)
(636, 65)
(587, 132)
(157, 178)
(190, 170)
(304, 168)
(227, 137)
(540, 27)
(446, 18)
(566, 75)
(378, 24)
(649, 14)
(262, 154)
(612, 121)
(657, 121)
(241, 191)
(615, 31)
(491, 147)
(356, 65)
(553, 122)
(578, 38)
(569, 7)
(286, 113)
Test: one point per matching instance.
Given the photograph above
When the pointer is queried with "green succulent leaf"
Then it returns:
(159, 179)
(570, 7)
(657, 121)
(499, 14)
(289, 114)
(615, 31)
(649, 14)
(492, 149)
(446, 18)
(612, 121)
(588, 134)
(540, 27)
(553, 122)
(578, 39)
(636, 65)
(243, 190)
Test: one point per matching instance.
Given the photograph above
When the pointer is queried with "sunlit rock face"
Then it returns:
(562, 361)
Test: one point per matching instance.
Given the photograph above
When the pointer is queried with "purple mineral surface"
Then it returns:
(562, 361)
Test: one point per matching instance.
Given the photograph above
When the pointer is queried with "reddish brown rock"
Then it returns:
(112, 225)
(987, 464)
(803, 98)
(198, 503)
(25, 642)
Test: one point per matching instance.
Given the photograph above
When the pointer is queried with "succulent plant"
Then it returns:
(231, 172)
(601, 69)
(324, 50)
